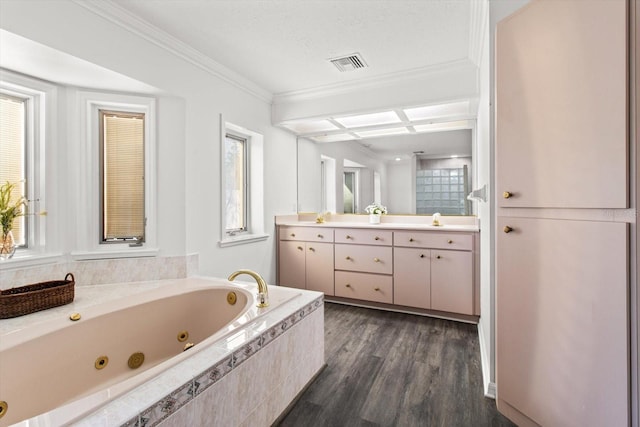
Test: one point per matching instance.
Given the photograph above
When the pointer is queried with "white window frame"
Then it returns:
(88, 220)
(40, 147)
(255, 187)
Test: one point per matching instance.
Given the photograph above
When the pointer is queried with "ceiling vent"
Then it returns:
(349, 62)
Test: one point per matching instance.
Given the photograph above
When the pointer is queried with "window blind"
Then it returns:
(122, 148)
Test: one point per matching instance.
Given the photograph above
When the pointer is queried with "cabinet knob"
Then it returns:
(376, 289)
(421, 255)
(376, 238)
(507, 194)
(312, 250)
(349, 237)
(411, 239)
(347, 257)
(449, 241)
(438, 257)
(347, 285)
(320, 236)
(293, 234)
(507, 229)
(376, 259)
(299, 248)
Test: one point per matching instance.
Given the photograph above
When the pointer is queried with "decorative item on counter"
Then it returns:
(375, 210)
(322, 217)
(10, 209)
(28, 299)
(436, 219)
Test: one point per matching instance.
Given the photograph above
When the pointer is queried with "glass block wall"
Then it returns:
(442, 190)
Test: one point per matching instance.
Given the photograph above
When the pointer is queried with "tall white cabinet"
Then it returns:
(562, 173)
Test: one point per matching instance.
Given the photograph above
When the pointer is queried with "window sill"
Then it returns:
(115, 253)
(29, 260)
(242, 239)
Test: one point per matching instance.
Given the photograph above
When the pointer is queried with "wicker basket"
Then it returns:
(23, 300)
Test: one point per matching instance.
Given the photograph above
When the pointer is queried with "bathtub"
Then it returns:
(55, 371)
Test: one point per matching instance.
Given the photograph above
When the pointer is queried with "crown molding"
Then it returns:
(372, 82)
(120, 16)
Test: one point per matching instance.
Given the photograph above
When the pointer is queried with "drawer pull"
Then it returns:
(507, 229)
(421, 255)
(312, 250)
(411, 239)
(376, 289)
(449, 241)
(347, 285)
(376, 238)
(299, 248)
(320, 236)
(347, 257)
(376, 259)
(293, 234)
(438, 257)
(349, 237)
(507, 194)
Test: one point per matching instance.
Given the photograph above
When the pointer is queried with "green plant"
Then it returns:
(10, 209)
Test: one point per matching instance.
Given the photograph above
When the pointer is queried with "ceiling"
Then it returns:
(284, 45)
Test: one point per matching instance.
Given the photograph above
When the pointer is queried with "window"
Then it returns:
(242, 191)
(115, 181)
(27, 126)
(235, 169)
(122, 176)
(13, 118)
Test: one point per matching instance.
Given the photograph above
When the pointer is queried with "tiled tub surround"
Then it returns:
(260, 366)
(97, 272)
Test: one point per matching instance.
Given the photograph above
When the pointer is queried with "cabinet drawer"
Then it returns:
(370, 259)
(364, 237)
(435, 239)
(307, 234)
(364, 286)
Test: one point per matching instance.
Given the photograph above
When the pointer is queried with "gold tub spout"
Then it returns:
(263, 292)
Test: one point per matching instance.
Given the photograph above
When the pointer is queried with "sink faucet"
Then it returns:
(263, 292)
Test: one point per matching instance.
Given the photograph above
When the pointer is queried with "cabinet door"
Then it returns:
(319, 263)
(412, 277)
(292, 264)
(561, 105)
(562, 351)
(452, 281)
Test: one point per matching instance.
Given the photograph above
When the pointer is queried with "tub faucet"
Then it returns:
(263, 292)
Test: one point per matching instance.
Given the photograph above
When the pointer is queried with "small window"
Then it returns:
(122, 176)
(13, 155)
(235, 169)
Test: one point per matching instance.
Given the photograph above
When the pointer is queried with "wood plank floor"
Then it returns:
(394, 369)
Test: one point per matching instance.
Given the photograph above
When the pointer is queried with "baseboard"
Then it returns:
(489, 387)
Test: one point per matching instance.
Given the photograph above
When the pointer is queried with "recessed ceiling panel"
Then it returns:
(303, 127)
(373, 119)
(334, 138)
(451, 109)
(436, 127)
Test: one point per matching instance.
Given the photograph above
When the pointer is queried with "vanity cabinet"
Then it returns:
(427, 271)
(306, 259)
(434, 271)
(364, 264)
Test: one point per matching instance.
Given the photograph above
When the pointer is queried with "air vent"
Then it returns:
(349, 62)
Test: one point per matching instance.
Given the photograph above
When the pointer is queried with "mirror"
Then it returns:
(410, 174)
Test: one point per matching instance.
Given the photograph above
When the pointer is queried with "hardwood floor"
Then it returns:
(394, 369)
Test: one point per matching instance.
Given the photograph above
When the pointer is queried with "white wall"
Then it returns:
(400, 178)
(189, 131)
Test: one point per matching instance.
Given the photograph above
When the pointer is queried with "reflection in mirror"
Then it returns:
(410, 174)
